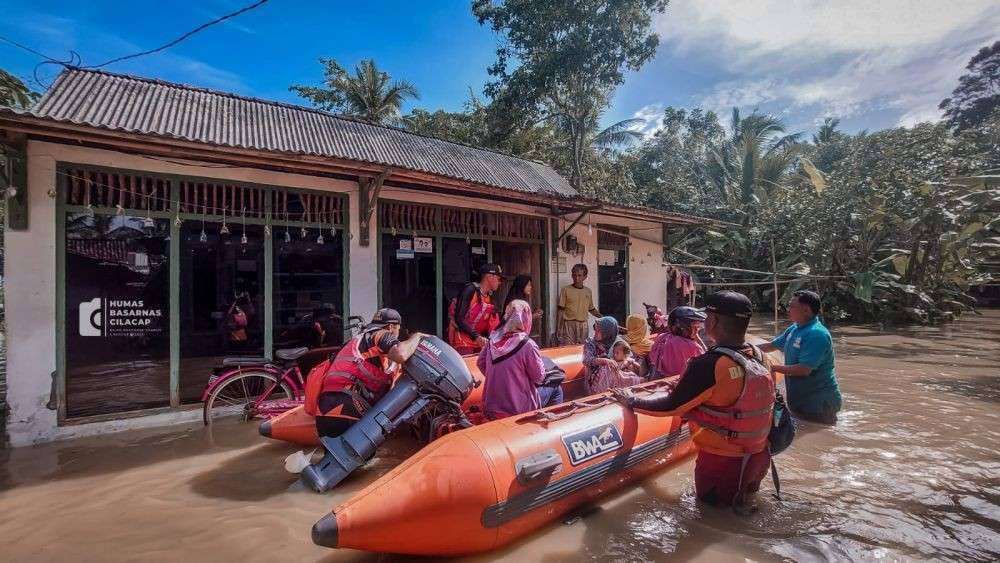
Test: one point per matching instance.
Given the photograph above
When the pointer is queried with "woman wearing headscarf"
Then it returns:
(637, 336)
(522, 289)
(597, 347)
(512, 365)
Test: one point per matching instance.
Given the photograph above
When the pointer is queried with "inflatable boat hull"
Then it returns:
(491, 484)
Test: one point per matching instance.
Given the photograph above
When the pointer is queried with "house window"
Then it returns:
(242, 254)
(117, 323)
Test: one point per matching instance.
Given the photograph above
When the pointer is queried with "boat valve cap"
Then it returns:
(265, 429)
(324, 531)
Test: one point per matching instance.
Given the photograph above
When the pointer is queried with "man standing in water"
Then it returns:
(813, 393)
(727, 395)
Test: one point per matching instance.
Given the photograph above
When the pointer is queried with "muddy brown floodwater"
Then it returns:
(911, 472)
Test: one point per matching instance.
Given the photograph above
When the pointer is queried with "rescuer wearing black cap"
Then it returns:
(339, 392)
(473, 315)
(727, 396)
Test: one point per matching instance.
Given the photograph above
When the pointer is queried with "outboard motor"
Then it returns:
(435, 373)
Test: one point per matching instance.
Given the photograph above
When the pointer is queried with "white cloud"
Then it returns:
(844, 58)
(652, 119)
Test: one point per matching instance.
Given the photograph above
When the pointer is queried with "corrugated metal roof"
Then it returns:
(153, 107)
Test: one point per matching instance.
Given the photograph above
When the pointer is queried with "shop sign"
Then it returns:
(479, 250)
(405, 250)
(119, 318)
(559, 265)
(423, 245)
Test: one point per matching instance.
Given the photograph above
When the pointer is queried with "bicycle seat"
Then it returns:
(290, 354)
(244, 361)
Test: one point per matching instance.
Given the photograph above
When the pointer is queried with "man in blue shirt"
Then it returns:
(810, 379)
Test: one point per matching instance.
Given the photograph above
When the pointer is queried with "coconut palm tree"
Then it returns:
(369, 93)
(752, 160)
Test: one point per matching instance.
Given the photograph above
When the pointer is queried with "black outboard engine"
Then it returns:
(436, 373)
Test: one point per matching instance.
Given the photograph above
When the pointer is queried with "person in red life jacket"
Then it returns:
(473, 314)
(360, 374)
(727, 397)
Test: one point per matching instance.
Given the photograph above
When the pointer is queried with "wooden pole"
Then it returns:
(774, 270)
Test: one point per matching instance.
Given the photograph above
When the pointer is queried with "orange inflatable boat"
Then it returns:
(298, 427)
(493, 483)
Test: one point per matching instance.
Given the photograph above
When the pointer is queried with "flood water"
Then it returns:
(911, 472)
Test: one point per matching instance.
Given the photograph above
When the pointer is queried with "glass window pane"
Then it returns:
(308, 288)
(221, 299)
(117, 313)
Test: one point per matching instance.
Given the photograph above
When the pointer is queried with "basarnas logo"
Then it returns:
(92, 317)
(593, 442)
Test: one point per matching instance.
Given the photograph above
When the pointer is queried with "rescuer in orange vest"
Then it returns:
(473, 316)
(727, 397)
(360, 374)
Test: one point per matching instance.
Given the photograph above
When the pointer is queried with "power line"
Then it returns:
(28, 49)
(182, 37)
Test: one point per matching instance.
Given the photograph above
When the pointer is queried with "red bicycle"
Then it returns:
(251, 387)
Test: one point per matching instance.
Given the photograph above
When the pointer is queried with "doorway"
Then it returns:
(460, 263)
(409, 283)
(525, 258)
(612, 272)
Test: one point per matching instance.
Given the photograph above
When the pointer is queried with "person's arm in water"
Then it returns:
(401, 351)
(462, 311)
(694, 388)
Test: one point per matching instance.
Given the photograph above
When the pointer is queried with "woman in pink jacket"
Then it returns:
(672, 349)
(512, 365)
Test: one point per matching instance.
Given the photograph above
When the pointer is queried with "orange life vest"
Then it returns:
(351, 372)
(747, 422)
(481, 316)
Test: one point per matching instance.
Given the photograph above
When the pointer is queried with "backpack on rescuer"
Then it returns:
(782, 426)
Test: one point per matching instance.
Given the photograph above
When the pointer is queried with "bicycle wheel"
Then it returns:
(235, 396)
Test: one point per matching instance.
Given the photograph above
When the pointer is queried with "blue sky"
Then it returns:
(874, 64)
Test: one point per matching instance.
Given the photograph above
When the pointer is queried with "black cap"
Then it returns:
(490, 268)
(729, 303)
(384, 317)
(685, 313)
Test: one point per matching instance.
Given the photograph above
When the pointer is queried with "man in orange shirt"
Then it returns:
(727, 397)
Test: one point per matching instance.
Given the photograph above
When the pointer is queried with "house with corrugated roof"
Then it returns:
(157, 228)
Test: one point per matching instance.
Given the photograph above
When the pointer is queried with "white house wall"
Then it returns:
(647, 274)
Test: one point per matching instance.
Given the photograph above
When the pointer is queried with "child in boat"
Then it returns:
(623, 370)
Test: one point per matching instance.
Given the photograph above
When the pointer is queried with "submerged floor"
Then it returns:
(911, 472)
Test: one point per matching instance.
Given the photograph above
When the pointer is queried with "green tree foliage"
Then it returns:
(558, 62)
(13, 92)
(885, 222)
(978, 93)
(369, 93)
